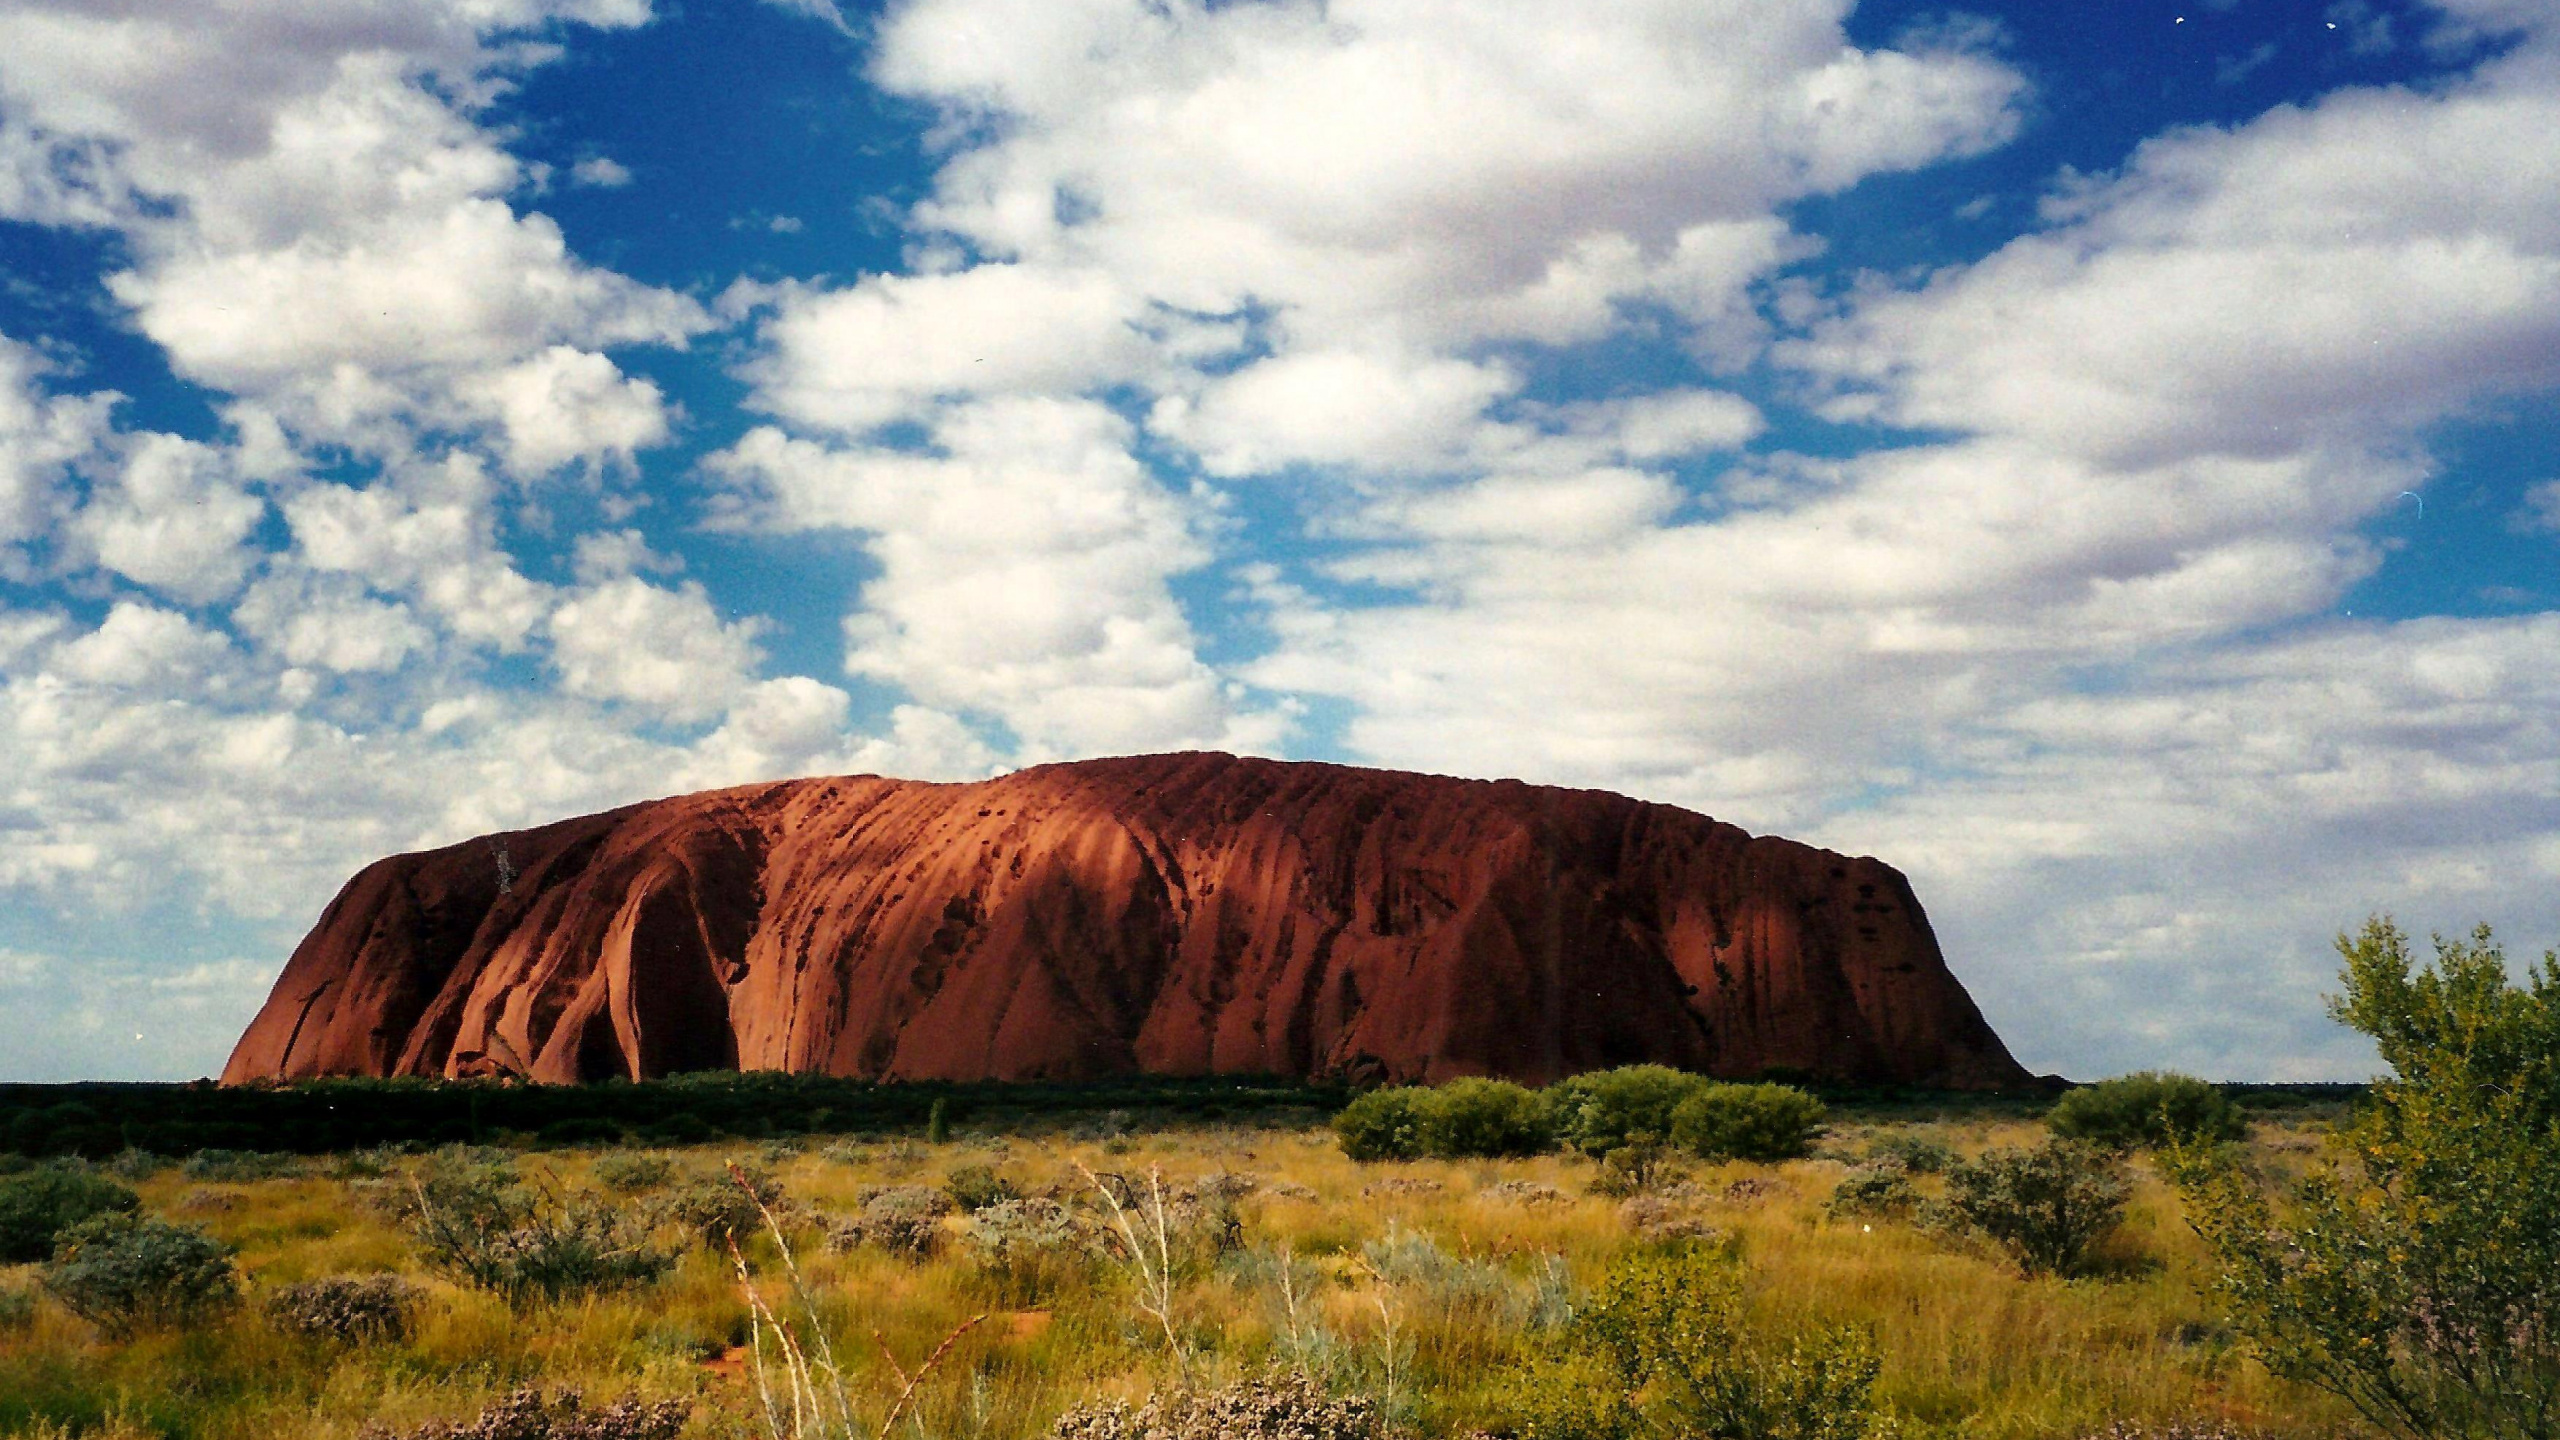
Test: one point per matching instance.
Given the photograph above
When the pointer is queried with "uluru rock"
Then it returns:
(1174, 914)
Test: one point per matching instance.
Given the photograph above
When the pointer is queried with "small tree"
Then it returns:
(2046, 1206)
(2416, 1273)
(1747, 1122)
(2149, 1107)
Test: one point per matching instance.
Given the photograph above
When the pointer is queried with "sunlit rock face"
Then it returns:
(1172, 914)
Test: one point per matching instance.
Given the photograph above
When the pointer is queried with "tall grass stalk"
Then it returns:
(819, 1407)
(1154, 1273)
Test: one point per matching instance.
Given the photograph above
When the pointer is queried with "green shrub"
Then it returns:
(134, 1164)
(1918, 1154)
(2152, 1107)
(1747, 1122)
(124, 1273)
(37, 1205)
(2415, 1271)
(1881, 1192)
(1475, 1117)
(1659, 1348)
(2046, 1206)
(627, 1173)
(1600, 1111)
(716, 1210)
(1029, 1252)
(1383, 1124)
(478, 1225)
(905, 1220)
(1571, 1396)
(975, 1187)
(17, 1308)
(343, 1308)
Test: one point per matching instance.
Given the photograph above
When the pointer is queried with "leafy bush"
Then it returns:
(1382, 1125)
(131, 1163)
(1747, 1122)
(1882, 1192)
(1282, 1406)
(1028, 1252)
(529, 1415)
(717, 1210)
(627, 1173)
(1466, 1118)
(905, 1220)
(2415, 1273)
(1659, 1347)
(477, 1224)
(1475, 1117)
(975, 1187)
(17, 1308)
(124, 1273)
(1605, 1109)
(37, 1205)
(2046, 1206)
(343, 1308)
(2152, 1107)
(1918, 1154)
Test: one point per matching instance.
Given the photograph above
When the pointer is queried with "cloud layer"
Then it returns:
(1455, 387)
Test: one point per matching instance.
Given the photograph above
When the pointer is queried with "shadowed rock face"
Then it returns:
(1175, 914)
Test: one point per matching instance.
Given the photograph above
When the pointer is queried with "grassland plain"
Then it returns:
(1422, 1284)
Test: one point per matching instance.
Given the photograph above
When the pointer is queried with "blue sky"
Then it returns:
(2100, 459)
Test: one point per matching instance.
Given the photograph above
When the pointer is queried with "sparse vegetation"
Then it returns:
(1662, 1347)
(479, 1224)
(1436, 1297)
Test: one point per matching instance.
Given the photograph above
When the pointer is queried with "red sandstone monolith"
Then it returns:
(1170, 914)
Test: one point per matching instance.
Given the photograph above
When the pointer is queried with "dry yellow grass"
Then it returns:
(1970, 1349)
